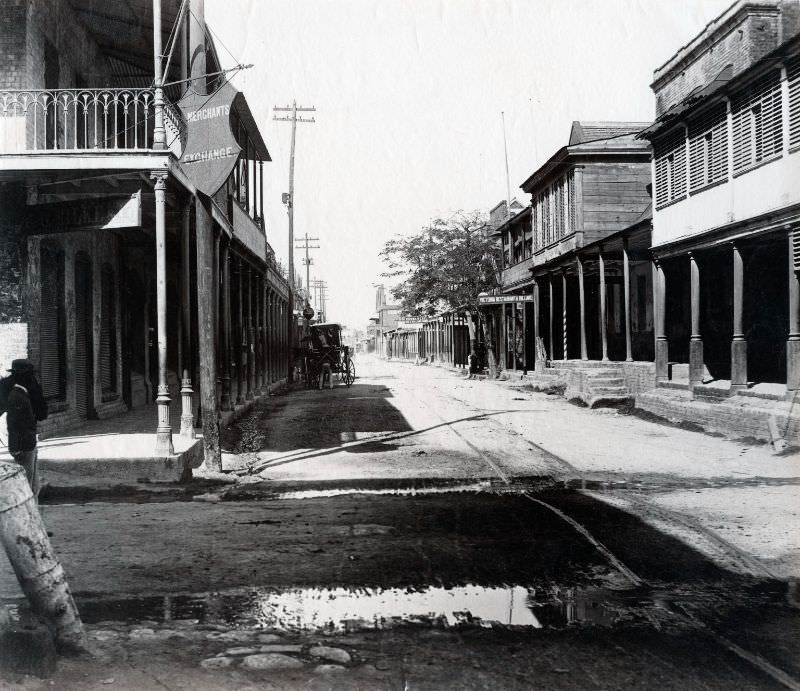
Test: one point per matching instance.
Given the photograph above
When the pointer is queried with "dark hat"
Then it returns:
(21, 366)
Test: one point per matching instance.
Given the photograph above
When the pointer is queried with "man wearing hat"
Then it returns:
(25, 406)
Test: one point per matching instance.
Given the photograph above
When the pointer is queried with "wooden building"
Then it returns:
(121, 279)
(580, 252)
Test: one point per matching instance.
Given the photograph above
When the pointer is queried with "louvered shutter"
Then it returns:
(796, 249)
(573, 216)
(670, 158)
(708, 147)
(757, 126)
(793, 75)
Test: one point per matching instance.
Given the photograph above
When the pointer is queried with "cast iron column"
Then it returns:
(164, 430)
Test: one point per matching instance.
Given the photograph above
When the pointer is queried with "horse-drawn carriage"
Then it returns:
(325, 356)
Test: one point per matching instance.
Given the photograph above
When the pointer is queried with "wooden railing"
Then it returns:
(83, 120)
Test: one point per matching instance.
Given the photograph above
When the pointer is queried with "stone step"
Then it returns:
(606, 381)
(608, 400)
(678, 385)
(609, 391)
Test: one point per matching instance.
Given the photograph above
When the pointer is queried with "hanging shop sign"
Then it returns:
(106, 212)
(503, 299)
(211, 149)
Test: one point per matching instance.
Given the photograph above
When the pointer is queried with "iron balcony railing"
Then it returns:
(84, 120)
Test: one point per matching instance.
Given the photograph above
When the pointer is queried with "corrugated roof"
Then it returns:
(584, 131)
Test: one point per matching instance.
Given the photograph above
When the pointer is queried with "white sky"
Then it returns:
(408, 96)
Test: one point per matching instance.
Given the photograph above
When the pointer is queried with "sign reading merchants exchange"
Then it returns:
(211, 149)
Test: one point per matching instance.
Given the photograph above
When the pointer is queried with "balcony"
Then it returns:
(84, 120)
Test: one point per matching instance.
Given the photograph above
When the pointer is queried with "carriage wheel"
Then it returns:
(349, 373)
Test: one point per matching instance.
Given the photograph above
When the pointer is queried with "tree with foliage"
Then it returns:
(445, 267)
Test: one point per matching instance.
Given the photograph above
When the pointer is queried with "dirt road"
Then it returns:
(413, 532)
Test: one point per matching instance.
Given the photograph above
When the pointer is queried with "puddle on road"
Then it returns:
(482, 486)
(343, 609)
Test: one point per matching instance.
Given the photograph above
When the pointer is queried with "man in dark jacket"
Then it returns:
(25, 406)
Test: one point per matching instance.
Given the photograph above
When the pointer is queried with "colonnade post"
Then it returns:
(603, 321)
(582, 300)
(185, 340)
(164, 445)
(206, 335)
(240, 356)
(659, 304)
(565, 344)
(739, 343)
(250, 369)
(552, 315)
(626, 277)
(793, 344)
(695, 340)
(225, 346)
(536, 307)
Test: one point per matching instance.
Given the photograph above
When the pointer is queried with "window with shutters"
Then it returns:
(708, 147)
(793, 77)
(53, 326)
(506, 249)
(528, 239)
(757, 123)
(670, 161)
(108, 331)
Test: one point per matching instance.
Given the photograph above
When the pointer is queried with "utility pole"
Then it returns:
(288, 199)
(508, 179)
(305, 244)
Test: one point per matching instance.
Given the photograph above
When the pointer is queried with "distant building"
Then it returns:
(385, 319)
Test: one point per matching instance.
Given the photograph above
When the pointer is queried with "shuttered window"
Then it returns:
(708, 147)
(52, 326)
(757, 126)
(670, 159)
(108, 331)
(573, 215)
(793, 75)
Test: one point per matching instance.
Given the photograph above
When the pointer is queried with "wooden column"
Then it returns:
(536, 311)
(603, 324)
(249, 337)
(551, 354)
(659, 310)
(185, 359)
(263, 353)
(204, 231)
(793, 344)
(626, 277)
(565, 354)
(164, 430)
(514, 336)
(696, 340)
(239, 337)
(582, 300)
(524, 308)
(739, 343)
(226, 333)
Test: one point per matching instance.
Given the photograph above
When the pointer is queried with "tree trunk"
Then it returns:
(490, 360)
(38, 571)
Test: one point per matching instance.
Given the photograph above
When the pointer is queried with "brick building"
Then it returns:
(726, 218)
(118, 273)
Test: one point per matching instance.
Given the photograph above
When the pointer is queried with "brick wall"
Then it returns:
(79, 56)
(640, 377)
(12, 43)
(739, 38)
